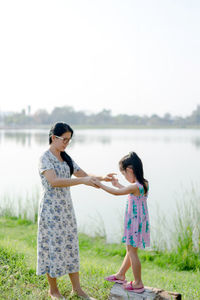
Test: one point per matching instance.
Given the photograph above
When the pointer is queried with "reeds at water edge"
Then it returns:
(176, 239)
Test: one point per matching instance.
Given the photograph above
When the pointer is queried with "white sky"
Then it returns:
(129, 56)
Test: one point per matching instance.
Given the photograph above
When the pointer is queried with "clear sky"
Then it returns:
(129, 56)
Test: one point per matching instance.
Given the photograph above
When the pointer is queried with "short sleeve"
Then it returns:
(45, 164)
(76, 167)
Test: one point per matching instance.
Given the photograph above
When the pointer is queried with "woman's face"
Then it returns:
(61, 142)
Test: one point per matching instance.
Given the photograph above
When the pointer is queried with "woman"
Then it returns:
(58, 250)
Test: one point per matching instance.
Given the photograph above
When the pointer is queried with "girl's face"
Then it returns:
(61, 142)
(129, 175)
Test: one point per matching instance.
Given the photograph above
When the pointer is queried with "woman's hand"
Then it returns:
(89, 180)
(96, 182)
(108, 177)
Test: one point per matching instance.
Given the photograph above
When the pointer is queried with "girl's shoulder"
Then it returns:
(147, 184)
(141, 187)
(134, 189)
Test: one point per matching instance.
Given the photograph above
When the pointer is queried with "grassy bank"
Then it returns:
(98, 259)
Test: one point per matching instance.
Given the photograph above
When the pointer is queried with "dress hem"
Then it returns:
(66, 273)
(136, 246)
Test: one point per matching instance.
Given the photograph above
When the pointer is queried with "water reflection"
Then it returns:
(88, 139)
(196, 142)
(24, 138)
(102, 136)
(41, 138)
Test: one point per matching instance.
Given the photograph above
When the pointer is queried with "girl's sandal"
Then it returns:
(113, 278)
(129, 287)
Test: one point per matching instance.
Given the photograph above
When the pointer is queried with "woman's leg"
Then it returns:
(74, 277)
(124, 267)
(135, 264)
(53, 291)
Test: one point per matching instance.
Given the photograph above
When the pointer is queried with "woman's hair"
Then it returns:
(133, 161)
(58, 129)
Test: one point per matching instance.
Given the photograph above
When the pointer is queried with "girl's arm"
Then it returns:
(55, 181)
(115, 182)
(82, 173)
(117, 192)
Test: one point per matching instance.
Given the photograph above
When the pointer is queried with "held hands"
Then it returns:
(90, 180)
(109, 177)
(115, 182)
(96, 182)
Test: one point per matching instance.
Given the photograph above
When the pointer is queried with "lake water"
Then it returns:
(171, 160)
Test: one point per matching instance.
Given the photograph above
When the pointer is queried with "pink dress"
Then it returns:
(136, 223)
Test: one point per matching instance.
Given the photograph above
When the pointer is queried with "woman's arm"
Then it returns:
(117, 192)
(55, 181)
(82, 173)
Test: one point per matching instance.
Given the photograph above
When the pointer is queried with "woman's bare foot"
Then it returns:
(80, 293)
(55, 295)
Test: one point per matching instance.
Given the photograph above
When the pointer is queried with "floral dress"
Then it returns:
(136, 224)
(57, 247)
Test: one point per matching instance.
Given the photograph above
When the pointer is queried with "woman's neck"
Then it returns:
(55, 152)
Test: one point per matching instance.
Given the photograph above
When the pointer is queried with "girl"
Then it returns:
(136, 231)
(57, 248)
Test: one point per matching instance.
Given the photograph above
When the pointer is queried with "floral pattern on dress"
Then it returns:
(57, 242)
(136, 223)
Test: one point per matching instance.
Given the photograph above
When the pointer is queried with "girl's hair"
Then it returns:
(58, 129)
(133, 161)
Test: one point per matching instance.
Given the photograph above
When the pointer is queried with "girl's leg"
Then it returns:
(124, 267)
(53, 291)
(74, 277)
(136, 265)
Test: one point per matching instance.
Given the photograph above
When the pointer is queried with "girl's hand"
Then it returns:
(115, 182)
(109, 177)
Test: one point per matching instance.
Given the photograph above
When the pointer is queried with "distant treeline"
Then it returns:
(101, 119)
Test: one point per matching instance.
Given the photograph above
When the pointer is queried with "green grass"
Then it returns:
(98, 259)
